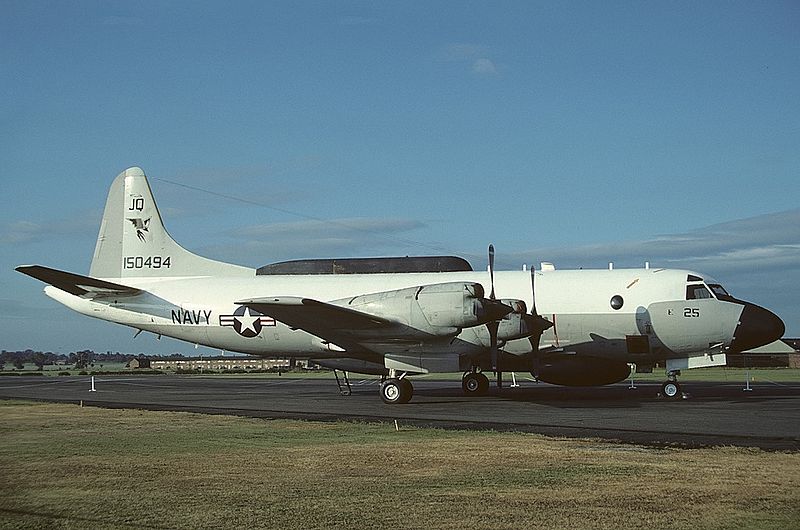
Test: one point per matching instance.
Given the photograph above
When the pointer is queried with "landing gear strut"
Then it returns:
(671, 389)
(475, 384)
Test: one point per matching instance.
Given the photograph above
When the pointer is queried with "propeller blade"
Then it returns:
(535, 358)
(493, 349)
(538, 324)
(491, 270)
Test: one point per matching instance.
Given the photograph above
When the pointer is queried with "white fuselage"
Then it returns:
(200, 310)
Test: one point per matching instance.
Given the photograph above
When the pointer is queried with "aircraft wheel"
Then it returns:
(475, 383)
(408, 390)
(671, 390)
(396, 391)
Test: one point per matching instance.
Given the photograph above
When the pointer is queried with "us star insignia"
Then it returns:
(246, 322)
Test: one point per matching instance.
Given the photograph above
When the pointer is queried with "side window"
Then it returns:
(697, 292)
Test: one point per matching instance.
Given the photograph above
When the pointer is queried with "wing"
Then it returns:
(345, 327)
(82, 286)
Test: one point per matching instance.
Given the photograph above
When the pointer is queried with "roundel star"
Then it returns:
(247, 323)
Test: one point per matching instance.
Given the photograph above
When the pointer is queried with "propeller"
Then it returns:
(534, 322)
(493, 324)
(538, 324)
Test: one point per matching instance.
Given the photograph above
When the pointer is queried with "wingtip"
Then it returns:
(24, 269)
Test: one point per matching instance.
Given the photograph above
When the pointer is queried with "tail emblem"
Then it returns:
(142, 226)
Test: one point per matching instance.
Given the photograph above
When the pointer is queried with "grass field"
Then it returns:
(62, 466)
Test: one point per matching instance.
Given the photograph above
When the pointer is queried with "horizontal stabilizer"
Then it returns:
(75, 283)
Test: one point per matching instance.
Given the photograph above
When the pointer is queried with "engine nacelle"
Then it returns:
(574, 370)
(452, 305)
(441, 309)
(514, 325)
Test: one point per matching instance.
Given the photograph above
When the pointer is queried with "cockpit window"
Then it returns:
(720, 292)
(693, 278)
(718, 289)
(697, 292)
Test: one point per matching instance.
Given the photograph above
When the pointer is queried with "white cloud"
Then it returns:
(484, 67)
(770, 241)
(19, 232)
(325, 229)
(26, 231)
(757, 258)
(259, 244)
(475, 55)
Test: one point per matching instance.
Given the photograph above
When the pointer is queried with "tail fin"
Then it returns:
(133, 242)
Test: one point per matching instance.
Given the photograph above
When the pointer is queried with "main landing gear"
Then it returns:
(671, 389)
(475, 384)
(396, 389)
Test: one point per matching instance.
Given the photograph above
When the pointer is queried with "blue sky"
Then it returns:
(572, 132)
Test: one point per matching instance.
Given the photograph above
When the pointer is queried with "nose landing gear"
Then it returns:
(671, 389)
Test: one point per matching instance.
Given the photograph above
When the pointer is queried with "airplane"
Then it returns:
(404, 316)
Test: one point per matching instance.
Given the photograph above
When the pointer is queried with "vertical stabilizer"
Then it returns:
(133, 242)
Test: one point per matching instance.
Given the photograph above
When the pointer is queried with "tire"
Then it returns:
(484, 382)
(396, 391)
(407, 390)
(475, 384)
(671, 390)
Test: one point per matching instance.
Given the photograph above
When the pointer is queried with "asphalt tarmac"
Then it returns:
(711, 413)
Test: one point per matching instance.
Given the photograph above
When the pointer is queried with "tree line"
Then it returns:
(80, 359)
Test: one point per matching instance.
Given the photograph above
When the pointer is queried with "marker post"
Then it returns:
(747, 381)
(633, 371)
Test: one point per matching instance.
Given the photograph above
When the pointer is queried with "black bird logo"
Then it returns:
(142, 226)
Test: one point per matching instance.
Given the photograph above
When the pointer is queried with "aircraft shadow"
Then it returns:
(616, 396)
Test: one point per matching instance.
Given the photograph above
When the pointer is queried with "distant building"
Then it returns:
(223, 363)
(782, 346)
(141, 362)
(779, 354)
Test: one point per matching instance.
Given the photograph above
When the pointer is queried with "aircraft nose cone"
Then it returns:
(757, 327)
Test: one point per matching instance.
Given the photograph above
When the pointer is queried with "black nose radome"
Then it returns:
(757, 327)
